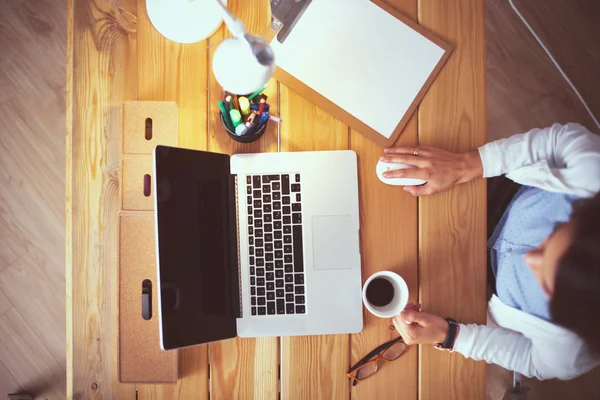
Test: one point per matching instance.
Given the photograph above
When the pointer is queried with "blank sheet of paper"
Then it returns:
(359, 57)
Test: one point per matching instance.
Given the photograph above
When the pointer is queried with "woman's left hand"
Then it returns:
(417, 327)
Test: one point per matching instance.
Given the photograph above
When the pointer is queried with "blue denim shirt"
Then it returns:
(528, 220)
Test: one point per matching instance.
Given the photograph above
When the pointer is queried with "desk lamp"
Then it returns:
(242, 64)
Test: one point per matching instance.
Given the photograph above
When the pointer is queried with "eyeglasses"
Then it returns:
(367, 366)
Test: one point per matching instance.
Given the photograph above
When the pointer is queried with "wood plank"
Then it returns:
(100, 62)
(169, 71)
(8, 384)
(389, 242)
(5, 303)
(569, 29)
(24, 355)
(192, 382)
(522, 98)
(452, 245)
(243, 368)
(38, 295)
(312, 367)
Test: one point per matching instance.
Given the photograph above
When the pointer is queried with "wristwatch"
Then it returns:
(453, 329)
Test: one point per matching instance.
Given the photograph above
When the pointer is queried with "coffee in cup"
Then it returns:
(385, 294)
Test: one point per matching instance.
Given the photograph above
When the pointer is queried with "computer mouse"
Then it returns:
(383, 166)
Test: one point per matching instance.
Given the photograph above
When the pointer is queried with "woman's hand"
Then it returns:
(417, 327)
(440, 168)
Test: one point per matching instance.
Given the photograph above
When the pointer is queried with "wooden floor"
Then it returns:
(32, 198)
(524, 91)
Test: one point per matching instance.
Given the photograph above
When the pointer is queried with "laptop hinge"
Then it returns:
(236, 270)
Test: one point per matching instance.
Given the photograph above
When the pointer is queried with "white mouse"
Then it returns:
(383, 166)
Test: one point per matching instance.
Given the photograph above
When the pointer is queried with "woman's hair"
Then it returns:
(576, 300)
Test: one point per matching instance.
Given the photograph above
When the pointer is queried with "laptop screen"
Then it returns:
(196, 247)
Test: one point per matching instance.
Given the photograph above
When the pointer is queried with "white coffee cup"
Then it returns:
(399, 300)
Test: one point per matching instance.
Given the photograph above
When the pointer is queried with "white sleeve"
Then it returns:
(562, 158)
(513, 351)
(506, 348)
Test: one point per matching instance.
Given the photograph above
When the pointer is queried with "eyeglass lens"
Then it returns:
(395, 351)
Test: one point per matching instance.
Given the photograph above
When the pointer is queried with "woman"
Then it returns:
(544, 320)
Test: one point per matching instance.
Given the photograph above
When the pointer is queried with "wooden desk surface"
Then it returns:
(436, 243)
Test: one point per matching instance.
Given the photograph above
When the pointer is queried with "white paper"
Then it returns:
(361, 58)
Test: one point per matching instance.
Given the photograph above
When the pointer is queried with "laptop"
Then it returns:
(256, 245)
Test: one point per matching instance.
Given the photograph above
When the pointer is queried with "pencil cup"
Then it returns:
(244, 138)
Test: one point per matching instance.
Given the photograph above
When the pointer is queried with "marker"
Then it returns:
(256, 107)
(227, 102)
(261, 108)
(259, 91)
(236, 117)
(225, 115)
(258, 98)
(244, 105)
(251, 128)
(240, 130)
(263, 118)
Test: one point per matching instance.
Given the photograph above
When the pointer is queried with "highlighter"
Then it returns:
(240, 129)
(244, 105)
(236, 117)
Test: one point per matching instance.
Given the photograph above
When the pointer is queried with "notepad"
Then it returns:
(366, 61)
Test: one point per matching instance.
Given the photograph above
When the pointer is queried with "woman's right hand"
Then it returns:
(440, 168)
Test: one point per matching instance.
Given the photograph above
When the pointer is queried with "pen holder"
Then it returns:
(245, 138)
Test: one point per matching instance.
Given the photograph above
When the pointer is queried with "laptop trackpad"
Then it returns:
(331, 235)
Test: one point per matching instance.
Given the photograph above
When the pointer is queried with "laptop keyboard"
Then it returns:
(275, 243)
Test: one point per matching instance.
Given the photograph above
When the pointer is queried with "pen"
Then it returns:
(228, 104)
(261, 108)
(234, 100)
(251, 117)
(259, 91)
(274, 118)
(225, 115)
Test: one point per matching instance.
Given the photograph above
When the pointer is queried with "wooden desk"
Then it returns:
(436, 243)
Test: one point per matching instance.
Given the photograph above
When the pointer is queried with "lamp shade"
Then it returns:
(237, 68)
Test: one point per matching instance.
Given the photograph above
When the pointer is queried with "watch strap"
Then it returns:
(451, 336)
